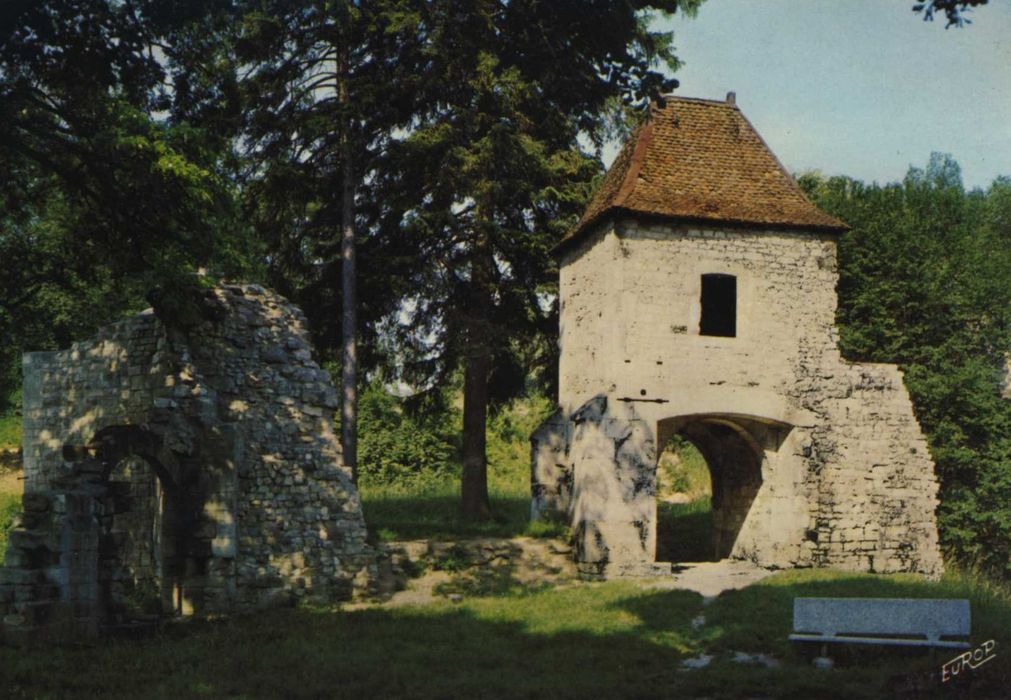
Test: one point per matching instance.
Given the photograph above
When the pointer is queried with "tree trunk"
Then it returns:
(474, 479)
(349, 291)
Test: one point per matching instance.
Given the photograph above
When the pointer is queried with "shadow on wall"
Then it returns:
(118, 539)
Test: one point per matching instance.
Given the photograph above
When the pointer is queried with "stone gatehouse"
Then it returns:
(171, 472)
(698, 299)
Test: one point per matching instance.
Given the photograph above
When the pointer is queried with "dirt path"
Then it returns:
(712, 578)
(12, 482)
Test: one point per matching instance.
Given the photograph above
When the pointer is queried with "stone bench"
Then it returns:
(890, 621)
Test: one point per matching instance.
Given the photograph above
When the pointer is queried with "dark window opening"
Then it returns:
(719, 305)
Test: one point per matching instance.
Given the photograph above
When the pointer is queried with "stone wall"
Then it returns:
(234, 417)
(816, 461)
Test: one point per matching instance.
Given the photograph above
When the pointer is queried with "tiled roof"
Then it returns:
(702, 160)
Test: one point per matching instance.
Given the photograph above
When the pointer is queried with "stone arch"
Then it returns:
(145, 524)
(733, 446)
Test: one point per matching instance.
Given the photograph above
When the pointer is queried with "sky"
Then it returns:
(864, 88)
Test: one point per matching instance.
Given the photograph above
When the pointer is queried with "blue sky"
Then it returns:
(862, 87)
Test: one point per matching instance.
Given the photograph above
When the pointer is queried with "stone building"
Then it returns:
(698, 299)
(181, 471)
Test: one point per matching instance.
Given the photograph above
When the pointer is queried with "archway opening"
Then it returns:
(684, 508)
(137, 542)
(705, 525)
(141, 548)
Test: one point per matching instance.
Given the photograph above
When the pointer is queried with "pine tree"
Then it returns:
(492, 173)
(322, 86)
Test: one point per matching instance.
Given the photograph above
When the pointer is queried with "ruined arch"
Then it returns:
(145, 525)
(234, 419)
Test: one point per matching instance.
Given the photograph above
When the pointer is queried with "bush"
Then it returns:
(10, 505)
(682, 469)
(395, 446)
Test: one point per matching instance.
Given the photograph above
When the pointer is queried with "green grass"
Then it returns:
(10, 505)
(10, 430)
(685, 531)
(428, 506)
(432, 510)
(612, 640)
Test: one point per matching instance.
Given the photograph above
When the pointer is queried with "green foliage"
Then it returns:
(681, 468)
(406, 495)
(102, 196)
(398, 446)
(508, 435)
(10, 505)
(10, 427)
(925, 281)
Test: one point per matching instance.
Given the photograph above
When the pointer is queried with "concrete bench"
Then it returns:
(892, 621)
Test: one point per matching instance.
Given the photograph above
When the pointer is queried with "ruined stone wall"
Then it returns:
(70, 395)
(846, 478)
(299, 518)
(235, 418)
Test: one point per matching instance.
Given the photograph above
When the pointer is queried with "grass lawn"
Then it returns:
(10, 430)
(433, 511)
(607, 640)
(684, 531)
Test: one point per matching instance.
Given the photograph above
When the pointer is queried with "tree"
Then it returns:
(491, 174)
(99, 201)
(322, 85)
(952, 9)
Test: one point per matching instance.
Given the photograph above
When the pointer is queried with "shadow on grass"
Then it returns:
(442, 652)
(601, 641)
(759, 619)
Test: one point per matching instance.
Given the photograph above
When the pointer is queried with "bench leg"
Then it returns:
(824, 661)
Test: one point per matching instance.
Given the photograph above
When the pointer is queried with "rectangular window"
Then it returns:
(719, 305)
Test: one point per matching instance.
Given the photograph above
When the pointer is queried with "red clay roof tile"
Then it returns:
(702, 160)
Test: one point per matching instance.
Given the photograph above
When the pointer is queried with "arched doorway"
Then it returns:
(733, 449)
(141, 547)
